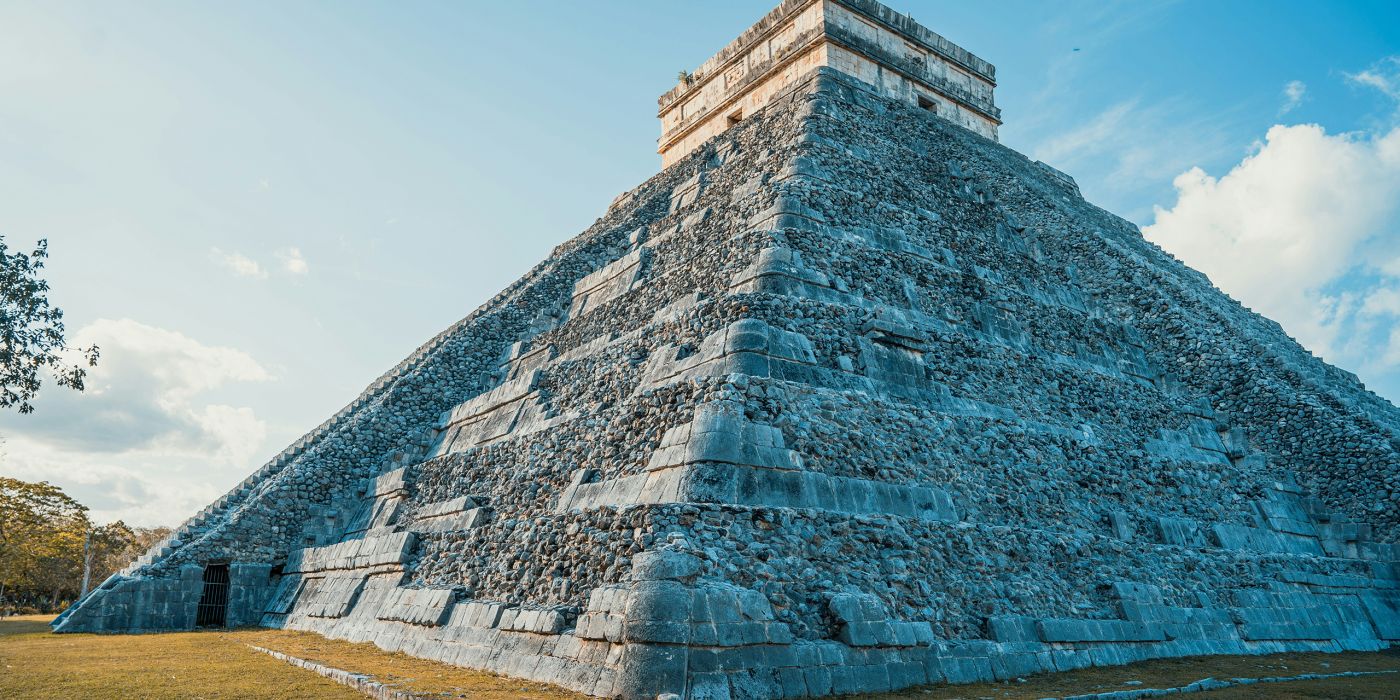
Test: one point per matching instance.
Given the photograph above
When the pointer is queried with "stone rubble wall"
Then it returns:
(390, 423)
(849, 400)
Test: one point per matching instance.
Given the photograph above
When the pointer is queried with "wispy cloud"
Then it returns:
(1294, 93)
(293, 261)
(1384, 75)
(238, 263)
(1125, 153)
(1087, 138)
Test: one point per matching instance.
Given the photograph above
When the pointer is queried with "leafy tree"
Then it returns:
(41, 539)
(144, 539)
(31, 332)
(47, 540)
(115, 545)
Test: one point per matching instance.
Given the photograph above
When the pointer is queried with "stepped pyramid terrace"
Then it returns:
(849, 397)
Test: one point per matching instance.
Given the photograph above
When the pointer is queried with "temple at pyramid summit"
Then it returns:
(849, 397)
(892, 55)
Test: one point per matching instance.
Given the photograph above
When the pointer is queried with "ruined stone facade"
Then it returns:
(850, 398)
(895, 56)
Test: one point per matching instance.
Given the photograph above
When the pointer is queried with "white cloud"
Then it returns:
(1291, 231)
(146, 441)
(292, 261)
(1293, 94)
(240, 264)
(1383, 76)
(1391, 356)
(1384, 301)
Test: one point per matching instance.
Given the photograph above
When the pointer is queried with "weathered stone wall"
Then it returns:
(849, 399)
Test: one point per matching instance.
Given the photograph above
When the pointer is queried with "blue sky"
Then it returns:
(256, 208)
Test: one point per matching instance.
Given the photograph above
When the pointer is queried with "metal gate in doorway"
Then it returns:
(213, 605)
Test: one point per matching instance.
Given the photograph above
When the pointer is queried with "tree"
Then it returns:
(115, 545)
(41, 540)
(48, 546)
(31, 332)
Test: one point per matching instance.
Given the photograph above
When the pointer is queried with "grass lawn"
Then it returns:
(219, 664)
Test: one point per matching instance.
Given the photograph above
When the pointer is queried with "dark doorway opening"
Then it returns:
(213, 605)
(926, 103)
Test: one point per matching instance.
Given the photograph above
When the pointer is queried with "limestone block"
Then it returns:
(1099, 631)
(330, 596)
(658, 601)
(608, 283)
(663, 565)
(892, 328)
(538, 621)
(418, 606)
(1236, 443)
(1254, 539)
(479, 613)
(1139, 592)
(1018, 629)
(1178, 446)
(777, 269)
(518, 362)
(288, 589)
(1176, 531)
(389, 548)
(787, 212)
(687, 192)
(386, 484)
(893, 364)
(803, 167)
(749, 347)
(1383, 608)
(461, 513)
(1286, 512)
(1000, 325)
(1122, 525)
(1204, 437)
(651, 669)
(695, 218)
(719, 432)
(857, 607)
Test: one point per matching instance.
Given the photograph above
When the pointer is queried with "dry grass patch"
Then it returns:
(39, 664)
(35, 663)
(1174, 673)
(401, 671)
(24, 624)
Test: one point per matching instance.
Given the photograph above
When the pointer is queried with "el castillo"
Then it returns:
(849, 398)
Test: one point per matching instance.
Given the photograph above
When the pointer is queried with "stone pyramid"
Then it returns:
(848, 398)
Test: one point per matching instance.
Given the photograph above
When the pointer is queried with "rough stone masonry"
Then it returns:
(849, 398)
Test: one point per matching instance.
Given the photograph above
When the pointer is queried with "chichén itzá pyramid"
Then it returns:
(849, 397)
